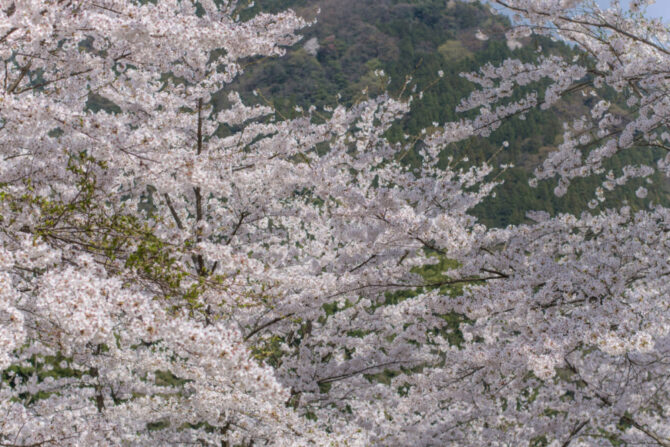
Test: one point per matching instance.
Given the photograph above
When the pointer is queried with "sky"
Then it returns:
(660, 9)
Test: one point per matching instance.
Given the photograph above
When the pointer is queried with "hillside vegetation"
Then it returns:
(341, 55)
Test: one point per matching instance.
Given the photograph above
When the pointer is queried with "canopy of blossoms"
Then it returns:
(175, 271)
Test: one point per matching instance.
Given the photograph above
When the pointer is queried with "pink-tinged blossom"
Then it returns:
(275, 322)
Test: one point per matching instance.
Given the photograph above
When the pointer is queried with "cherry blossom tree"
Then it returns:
(175, 273)
(158, 254)
(571, 346)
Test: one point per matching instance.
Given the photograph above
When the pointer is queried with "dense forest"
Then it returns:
(341, 55)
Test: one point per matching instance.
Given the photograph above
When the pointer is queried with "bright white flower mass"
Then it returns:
(166, 283)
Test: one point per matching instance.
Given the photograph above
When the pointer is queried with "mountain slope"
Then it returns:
(339, 57)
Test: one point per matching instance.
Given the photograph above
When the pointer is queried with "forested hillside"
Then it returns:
(340, 58)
